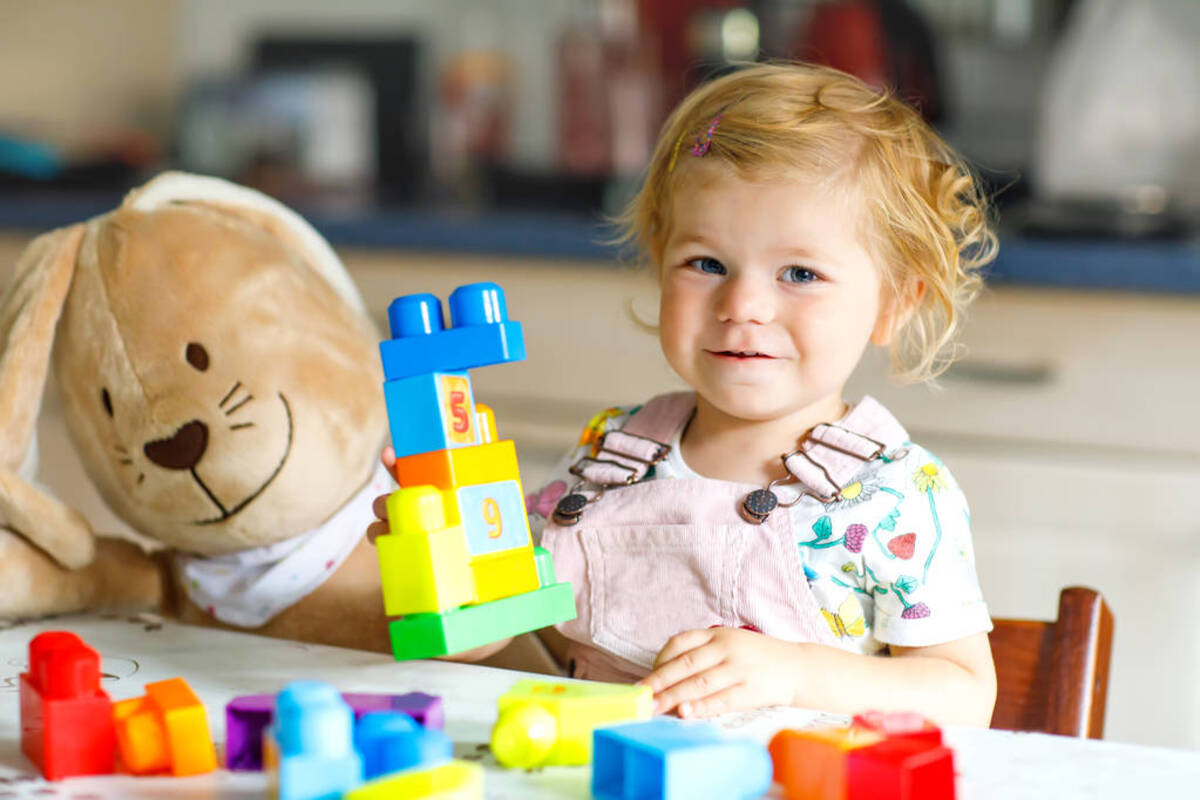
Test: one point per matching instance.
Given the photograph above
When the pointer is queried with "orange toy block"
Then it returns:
(811, 764)
(460, 466)
(164, 730)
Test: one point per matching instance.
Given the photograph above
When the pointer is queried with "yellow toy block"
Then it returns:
(543, 723)
(141, 738)
(505, 574)
(460, 466)
(486, 420)
(453, 780)
(424, 564)
(167, 729)
(811, 764)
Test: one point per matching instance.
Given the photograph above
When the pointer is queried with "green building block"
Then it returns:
(545, 566)
(430, 635)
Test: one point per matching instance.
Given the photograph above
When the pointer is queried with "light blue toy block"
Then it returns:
(390, 741)
(664, 759)
(313, 733)
(433, 411)
(493, 517)
(481, 333)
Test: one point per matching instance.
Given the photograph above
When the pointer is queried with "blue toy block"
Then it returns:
(433, 411)
(390, 741)
(664, 759)
(313, 738)
(481, 334)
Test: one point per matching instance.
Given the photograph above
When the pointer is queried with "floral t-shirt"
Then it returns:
(889, 563)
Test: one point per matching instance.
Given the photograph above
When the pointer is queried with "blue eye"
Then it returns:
(709, 266)
(799, 275)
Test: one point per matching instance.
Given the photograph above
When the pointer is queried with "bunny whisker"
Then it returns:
(126, 461)
(241, 425)
(141, 477)
(241, 403)
(237, 385)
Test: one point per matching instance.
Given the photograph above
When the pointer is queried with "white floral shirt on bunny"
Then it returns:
(891, 562)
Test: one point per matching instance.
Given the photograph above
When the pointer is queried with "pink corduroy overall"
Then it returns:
(658, 557)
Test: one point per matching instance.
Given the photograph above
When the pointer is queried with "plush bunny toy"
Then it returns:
(220, 380)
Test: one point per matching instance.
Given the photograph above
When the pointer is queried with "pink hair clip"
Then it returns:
(701, 147)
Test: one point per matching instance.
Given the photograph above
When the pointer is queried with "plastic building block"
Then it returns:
(431, 411)
(544, 564)
(899, 725)
(454, 780)
(429, 564)
(424, 564)
(425, 709)
(900, 769)
(543, 723)
(311, 743)
(431, 635)
(448, 469)
(247, 717)
(811, 764)
(165, 730)
(481, 334)
(390, 741)
(665, 759)
(66, 718)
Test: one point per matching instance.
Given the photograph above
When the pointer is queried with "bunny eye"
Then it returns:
(197, 356)
(106, 399)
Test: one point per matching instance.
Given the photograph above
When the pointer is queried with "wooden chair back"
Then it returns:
(1052, 677)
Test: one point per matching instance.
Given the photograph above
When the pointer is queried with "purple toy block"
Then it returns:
(247, 717)
(425, 709)
(245, 720)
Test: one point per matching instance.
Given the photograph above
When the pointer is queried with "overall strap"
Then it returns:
(624, 456)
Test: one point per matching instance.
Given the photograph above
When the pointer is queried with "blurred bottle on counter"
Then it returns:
(472, 128)
(610, 99)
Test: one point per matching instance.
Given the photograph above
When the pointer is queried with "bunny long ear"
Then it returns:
(29, 312)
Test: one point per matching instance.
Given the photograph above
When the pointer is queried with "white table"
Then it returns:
(220, 666)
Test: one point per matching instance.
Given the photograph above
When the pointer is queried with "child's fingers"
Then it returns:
(380, 507)
(680, 643)
(735, 697)
(376, 529)
(683, 695)
(388, 457)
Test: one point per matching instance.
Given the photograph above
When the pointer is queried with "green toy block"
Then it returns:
(430, 635)
(545, 566)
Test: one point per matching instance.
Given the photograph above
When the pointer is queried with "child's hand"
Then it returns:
(388, 457)
(702, 673)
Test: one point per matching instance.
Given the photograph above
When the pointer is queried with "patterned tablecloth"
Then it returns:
(221, 666)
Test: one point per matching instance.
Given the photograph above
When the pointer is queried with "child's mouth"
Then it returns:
(740, 355)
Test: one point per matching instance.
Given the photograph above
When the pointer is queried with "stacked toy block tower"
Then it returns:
(458, 565)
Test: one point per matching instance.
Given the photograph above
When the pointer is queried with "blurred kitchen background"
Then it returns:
(437, 142)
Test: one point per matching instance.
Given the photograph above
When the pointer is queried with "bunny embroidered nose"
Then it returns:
(181, 451)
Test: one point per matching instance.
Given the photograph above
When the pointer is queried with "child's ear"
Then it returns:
(896, 309)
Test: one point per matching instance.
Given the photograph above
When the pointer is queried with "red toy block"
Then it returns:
(900, 725)
(66, 718)
(900, 769)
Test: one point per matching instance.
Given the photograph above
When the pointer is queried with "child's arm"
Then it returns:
(701, 673)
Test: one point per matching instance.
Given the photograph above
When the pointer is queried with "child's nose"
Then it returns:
(744, 299)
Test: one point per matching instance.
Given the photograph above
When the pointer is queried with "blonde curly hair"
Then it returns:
(928, 217)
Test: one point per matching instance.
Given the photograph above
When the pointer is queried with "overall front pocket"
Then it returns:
(650, 582)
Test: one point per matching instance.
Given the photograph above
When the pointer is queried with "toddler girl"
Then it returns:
(794, 216)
